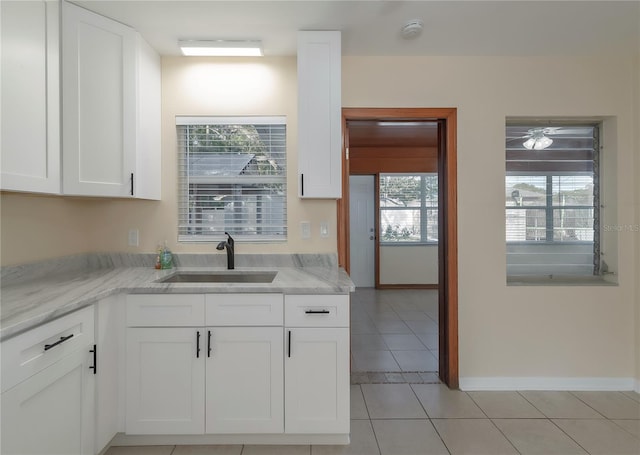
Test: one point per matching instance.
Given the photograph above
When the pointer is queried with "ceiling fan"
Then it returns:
(539, 138)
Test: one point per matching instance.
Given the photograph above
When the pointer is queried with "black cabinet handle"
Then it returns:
(198, 344)
(289, 345)
(317, 312)
(208, 343)
(302, 183)
(132, 184)
(61, 340)
(95, 360)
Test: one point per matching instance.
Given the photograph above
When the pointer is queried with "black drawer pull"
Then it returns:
(317, 312)
(208, 343)
(289, 345)
(61, 340)
(198, 344)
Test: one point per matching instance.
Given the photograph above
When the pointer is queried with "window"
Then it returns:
(408, 208)
(232, 178)
(552, 200)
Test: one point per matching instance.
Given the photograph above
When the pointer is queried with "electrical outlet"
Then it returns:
(305, 229)
(134, 237)
(324, 229)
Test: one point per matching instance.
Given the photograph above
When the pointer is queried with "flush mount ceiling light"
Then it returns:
(412, 29)
(537, 140)
(221, 48)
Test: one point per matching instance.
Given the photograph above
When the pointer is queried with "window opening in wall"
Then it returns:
(408, 208)
(232, 178)
(552, 200)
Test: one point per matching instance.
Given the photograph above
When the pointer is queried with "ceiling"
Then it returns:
(372, 27)
(372, 133)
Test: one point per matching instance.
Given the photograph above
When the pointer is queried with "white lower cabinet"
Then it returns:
(165, 381)
(47, 403)
(317, 380)
(109, 345)
(317, 366)
(245, 380)
(203, 379)
(52, 411)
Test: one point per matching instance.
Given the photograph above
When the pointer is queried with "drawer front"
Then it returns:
(27, 354)
(244, 309)
(165, 310)
(316, 311)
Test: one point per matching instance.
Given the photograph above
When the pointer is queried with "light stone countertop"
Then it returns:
(29, 303)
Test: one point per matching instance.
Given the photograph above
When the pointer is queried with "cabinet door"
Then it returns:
(245, 380)
(110, 368)
(99, 105)
(30, 96)
(52, 411)
(165, 381)
(319, 114)
(317, 380)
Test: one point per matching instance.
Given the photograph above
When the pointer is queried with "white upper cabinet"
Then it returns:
(111, 108)
(319, 114)
(30, 133)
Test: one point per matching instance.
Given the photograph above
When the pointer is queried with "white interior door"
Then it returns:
(362, 229)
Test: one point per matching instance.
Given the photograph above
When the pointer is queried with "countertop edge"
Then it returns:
(139, 280)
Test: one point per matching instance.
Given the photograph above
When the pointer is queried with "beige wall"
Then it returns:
(409, 264)
(555, 332)
(525, 332)
(36, 227)
(190, 86)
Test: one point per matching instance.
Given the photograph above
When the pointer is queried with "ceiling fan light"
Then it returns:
(542, 143)
(529, 143)
(537, 142)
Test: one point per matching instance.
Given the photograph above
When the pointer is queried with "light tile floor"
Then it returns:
(423, 419)
(400, 412)
(394, 336)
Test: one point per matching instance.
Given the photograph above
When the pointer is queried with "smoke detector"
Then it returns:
(412, 29)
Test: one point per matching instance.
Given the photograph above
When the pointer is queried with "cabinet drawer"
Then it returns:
(316, 311)
(28, 353)
(165, 310)
(244, 309)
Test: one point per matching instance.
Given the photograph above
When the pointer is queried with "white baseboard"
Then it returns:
(545, 383)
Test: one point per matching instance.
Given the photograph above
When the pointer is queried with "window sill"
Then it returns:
(551, 280)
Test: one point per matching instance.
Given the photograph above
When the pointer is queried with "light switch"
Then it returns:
(305, 229)
(324, 229)
(134, 235)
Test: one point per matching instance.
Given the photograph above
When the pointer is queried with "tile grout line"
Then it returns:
(567, 434)
(373, 430)
(505, 436)
(430, 419)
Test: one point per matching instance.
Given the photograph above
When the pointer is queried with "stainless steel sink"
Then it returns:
(220, 277)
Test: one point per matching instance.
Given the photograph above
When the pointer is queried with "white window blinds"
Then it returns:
(232, 178)
(551, 201)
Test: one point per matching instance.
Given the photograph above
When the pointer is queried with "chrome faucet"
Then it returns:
(228, 244)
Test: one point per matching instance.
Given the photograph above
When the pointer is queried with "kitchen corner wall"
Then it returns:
(34, 227)
(40, 227)
(525, 336)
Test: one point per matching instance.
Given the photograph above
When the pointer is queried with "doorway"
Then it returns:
(447, 213)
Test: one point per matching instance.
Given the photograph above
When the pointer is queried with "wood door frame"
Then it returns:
(448, 229)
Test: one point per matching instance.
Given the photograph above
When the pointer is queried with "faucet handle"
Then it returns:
(230, 239)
